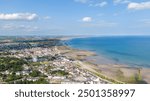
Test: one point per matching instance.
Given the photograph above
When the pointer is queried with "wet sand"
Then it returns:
(122, 72)
(109, 68)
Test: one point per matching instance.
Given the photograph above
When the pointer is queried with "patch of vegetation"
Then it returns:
(11, 63)
(35, 73)
(39, 81)
(120, 75)
(59, 73)
(97, 73)
(109, 79)
(35, 63)
(11, 77)
(22, 82)
(136, 78)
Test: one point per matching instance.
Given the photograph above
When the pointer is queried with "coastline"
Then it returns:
(108, 71)
(124, 73)
(80, 57)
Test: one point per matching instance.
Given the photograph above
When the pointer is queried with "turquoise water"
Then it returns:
(133, 50)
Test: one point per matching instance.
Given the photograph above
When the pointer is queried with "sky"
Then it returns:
(75, 17)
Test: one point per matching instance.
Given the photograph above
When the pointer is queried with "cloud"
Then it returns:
(139, 6)
(81, 1)
(121, 1)
(47, 17)
(93, 3)
(13, 27)
(87, 19)
(19, 16)
(101, 4)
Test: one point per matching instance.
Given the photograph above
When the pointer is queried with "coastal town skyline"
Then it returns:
(74, 17)
(74, 42)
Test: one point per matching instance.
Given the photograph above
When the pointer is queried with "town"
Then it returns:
(42, 62)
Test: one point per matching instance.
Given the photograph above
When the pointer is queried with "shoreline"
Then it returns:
(132, 62)
(96, 64)
(120, 72)
(79, 56)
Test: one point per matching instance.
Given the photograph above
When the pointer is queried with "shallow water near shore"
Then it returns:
(131, 50)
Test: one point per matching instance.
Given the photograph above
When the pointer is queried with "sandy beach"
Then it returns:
(106, 68)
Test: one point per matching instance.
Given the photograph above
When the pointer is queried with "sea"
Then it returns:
(130, 50)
